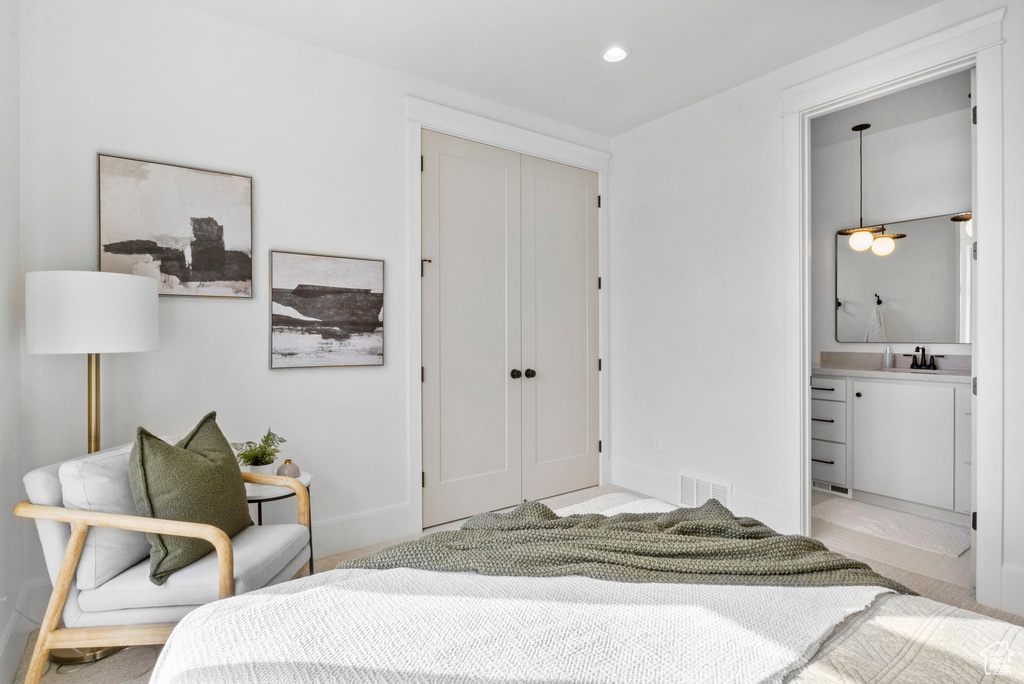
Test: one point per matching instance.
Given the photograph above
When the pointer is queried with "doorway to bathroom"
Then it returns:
(892, 274)
(868, 416)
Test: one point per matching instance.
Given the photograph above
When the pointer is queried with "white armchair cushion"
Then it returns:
(261, 552)
(99, 483)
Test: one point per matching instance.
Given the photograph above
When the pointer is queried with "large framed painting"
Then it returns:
(326, 311)
(190, 229)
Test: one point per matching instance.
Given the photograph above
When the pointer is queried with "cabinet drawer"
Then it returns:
(831, 389)
(828, 462)
(828, 420)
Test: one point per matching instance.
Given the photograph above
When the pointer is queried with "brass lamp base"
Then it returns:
(80, 656)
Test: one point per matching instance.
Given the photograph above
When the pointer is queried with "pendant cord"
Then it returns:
(860, 157)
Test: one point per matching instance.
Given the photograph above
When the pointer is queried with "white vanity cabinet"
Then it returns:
(904, 441)
(905, 438)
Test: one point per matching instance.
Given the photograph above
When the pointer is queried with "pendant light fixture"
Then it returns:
(872, 237)
(967, 219)
(861, 238)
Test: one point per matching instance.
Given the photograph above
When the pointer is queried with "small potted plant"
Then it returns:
(258, 457)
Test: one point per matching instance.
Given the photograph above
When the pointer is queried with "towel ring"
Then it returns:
(878, 300)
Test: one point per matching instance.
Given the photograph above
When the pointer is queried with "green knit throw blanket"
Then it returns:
(705, 545)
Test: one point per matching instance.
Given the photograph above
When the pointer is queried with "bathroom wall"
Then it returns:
(917, 163)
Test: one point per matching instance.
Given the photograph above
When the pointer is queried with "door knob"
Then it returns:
(530, 373)
(516, 374)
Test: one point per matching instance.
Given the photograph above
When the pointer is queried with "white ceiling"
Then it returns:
(544, 56)
(941, 96)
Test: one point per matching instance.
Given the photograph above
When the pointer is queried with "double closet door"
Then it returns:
(510, 328)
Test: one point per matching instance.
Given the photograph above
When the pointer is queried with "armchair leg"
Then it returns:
(58, 598)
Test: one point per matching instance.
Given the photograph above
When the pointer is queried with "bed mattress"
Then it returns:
(406, 625)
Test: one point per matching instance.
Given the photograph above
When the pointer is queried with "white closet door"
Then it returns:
(560, 328)
(471, 328)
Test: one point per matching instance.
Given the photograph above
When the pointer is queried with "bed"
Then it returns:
(444, 610)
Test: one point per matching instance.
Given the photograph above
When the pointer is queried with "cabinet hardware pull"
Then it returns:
(859, 394)
(516, 374)
(823, 420)
(818, 460)
(824, 389)
(530, 373)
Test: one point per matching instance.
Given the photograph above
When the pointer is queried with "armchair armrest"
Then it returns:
(291, 483)
(83, 519)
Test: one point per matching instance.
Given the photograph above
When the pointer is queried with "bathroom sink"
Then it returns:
(926, 371)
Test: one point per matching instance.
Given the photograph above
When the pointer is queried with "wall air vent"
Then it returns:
(695, 490)
(831, 488)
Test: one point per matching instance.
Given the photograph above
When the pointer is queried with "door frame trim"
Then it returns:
(978, 43)
(420, 114)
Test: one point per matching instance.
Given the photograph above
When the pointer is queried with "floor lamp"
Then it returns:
(87, 312)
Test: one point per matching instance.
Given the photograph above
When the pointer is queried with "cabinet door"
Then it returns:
(903, 441)
(560, 332)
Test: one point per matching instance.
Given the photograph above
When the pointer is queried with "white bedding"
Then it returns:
(408, 625)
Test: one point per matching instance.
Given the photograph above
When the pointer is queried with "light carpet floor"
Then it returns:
(905, 528)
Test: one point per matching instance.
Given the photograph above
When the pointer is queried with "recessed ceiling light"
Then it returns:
(617, 53)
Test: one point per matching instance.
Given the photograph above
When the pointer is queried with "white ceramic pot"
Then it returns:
(269, 469)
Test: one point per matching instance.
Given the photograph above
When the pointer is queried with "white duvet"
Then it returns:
(426, 627)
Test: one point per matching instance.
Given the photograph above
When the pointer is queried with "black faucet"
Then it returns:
(924, 363)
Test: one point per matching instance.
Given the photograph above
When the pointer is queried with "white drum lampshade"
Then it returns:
(87, 312)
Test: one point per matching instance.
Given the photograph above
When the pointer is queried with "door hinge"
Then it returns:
(598, 282)
(423, 374)
(423, 479)
(599, 445)
(598, 201)
(974, 521)
(421, 163)
(974, 115)
(974, 250)
(974, 386)
(599, 364)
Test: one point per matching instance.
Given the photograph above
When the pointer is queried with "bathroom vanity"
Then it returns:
(899, 434)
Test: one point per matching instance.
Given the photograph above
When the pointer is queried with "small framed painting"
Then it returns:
(326, 311)
(188, 228)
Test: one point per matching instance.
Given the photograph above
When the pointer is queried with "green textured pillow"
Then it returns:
(196, 480)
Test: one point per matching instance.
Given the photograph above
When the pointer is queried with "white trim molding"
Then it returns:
(422, 114)
(975, 43)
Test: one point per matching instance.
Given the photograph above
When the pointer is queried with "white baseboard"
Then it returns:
(1013, 590)
(646, 480)
(15, 634)
(664, 485)
(357, 530)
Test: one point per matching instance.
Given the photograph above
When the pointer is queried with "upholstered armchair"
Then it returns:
(110, 600)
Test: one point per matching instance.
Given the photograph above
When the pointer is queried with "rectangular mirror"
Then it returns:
(924, 285)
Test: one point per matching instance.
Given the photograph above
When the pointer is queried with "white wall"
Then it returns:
(697, 282)
(912, 171)
(324, 138)
(13, 629)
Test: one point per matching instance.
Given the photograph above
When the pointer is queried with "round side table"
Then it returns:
(260, 494)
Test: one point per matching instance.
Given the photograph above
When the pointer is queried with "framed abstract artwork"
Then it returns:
(188, 228)
(326, 311)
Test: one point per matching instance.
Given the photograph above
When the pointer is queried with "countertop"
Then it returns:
(960, 377)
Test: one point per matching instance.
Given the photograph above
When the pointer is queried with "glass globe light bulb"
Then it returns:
(861, 240)
(883, 246)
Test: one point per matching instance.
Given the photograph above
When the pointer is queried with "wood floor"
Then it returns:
(934, 575)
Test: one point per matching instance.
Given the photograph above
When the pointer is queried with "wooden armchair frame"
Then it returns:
(52, 636)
